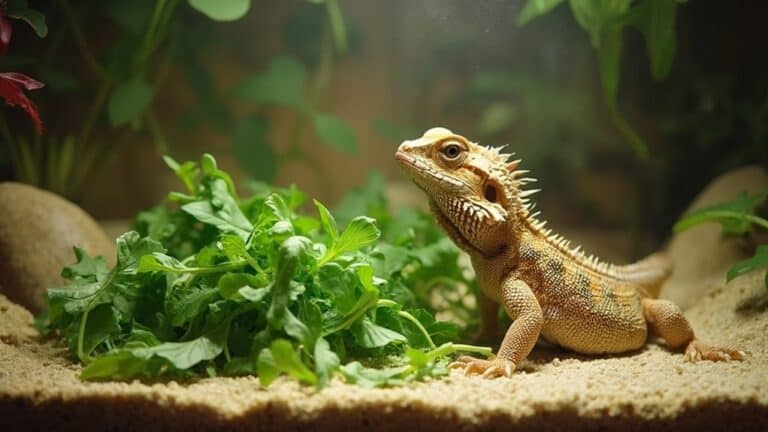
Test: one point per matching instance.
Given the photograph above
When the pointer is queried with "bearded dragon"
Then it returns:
(547, 287)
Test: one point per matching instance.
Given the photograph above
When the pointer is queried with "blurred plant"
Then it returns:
(737, 218)
(126, 72)
(524, 102)
(287, 83)
(13, 84)
(605, 21)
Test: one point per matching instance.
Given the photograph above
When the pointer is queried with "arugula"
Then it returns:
(737, 217)
(210, 283)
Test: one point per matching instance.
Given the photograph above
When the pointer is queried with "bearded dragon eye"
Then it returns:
(451, 151)
(490, 192)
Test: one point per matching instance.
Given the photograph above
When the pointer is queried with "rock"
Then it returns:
(37, 232)
(701, 255)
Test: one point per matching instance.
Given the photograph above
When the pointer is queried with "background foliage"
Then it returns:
(613, 101)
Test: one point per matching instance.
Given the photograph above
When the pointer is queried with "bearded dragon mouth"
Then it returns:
(418, 171)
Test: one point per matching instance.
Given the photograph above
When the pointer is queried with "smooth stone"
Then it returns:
(38, 230)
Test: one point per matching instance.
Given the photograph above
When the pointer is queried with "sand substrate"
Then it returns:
(652, 389)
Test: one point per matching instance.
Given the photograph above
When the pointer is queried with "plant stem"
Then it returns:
(81, 42)
(150, 39)
(418, 324)
(336, 23)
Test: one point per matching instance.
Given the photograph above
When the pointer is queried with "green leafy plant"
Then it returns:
(605, 21)
(214, 284)
(737, 217)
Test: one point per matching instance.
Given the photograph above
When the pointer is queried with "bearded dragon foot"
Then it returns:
(698, 350)
(491, 368)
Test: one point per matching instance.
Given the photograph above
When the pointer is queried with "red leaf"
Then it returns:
(5, 33)
(12, 85)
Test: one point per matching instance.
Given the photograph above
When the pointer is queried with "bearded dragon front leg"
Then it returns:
(524, 309)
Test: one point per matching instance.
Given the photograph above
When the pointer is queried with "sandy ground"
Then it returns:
(652, 389)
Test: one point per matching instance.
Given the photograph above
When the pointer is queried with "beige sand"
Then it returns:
(648, 390)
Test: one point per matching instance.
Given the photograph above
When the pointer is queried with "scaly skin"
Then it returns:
(549, 289)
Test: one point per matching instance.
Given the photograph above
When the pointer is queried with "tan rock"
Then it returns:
(701, 255)
(37, 232)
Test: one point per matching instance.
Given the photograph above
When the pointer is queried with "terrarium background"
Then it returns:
(412, 65)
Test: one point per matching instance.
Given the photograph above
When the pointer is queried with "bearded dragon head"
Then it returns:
(474, 190)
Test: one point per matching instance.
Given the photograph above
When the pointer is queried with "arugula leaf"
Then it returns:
(328, 222)
(283, 359)
(358, 374)
(288, 257)
(360, 232)
(370, 335)
(184, 304)
(326, 362)
(183, 355)
(85, 267)
(186, 172)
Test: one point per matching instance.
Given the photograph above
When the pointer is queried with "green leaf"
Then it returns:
(252, 148)
(102, 323)
(18, 9)
(128, 102)
(229, 284)
(267, 367)
(279, 207)
(370, 335)
(253, 294)
(757, 262)
(336, 133)
(534, 9)
(227, 218)
(235, 249)
(360, 232)
(356, 373)
(222, 10)
(595, 15)
(287, 360)
(326, 362)
(328, 222)
(656, 20)
(338, 284)
(121, 365)
(365, 302)
(288, 258)
(183, 305)
(87, 267)
(281, 84)
(160, 262)
(187, 172)
(736, 217)
(130, 248)
(184, 355)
